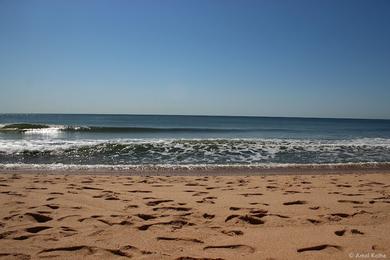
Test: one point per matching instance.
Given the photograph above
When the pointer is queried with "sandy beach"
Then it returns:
(343, 216)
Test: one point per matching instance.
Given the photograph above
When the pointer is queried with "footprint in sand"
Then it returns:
(6, 234)
(23, 237)
(352, 194)
(15, 256)
(295, 202)
(157, 202)
(52, 206)
(90, 188)
(172, 208)
(139, 191)
(38, 217)
(124, 251)
(193, 184)
(193, 240)
(352, 231)
(37, 229)
(200, 193)
(339, 216)
(355, 231)
(196, 258)
(251, 194)
(320, 248)
(132, 206)
(175, 224)
(209, 200)
(351, 201)
(208, 216)
(146, 216)
(340, 232)
(233, 232)
(241, 249)
(314, 221)
(287, 192)
(250, 219)
(68, 216)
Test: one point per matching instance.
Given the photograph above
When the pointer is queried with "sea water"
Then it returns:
(62, 140)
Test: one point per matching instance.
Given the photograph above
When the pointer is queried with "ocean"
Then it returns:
(128, 141)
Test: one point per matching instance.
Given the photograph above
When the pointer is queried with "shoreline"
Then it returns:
(202, 170)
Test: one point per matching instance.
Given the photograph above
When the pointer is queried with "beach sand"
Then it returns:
(339, 216)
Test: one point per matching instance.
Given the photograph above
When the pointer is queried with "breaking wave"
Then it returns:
(194, 151)
(43, 129)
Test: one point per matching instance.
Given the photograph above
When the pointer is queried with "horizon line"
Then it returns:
(198, 115)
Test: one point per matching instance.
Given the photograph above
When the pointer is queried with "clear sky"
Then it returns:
(269, 58)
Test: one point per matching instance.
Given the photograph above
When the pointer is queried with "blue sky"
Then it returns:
(268, 58)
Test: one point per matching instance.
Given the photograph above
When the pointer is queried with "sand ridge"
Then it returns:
(194, 217)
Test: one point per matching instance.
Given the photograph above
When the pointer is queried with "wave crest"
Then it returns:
(41, 128)
(195, 151)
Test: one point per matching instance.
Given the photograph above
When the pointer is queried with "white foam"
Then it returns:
(157, 167)
(198, 151)
(270, 145)
(51, 131)
(17, 146)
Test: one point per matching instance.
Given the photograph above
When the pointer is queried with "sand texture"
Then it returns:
(181, 217)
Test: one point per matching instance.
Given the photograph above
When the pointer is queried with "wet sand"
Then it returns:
(311, 216)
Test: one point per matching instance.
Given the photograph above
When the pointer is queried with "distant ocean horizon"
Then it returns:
(193, 115)
(61, 141)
